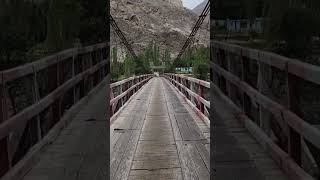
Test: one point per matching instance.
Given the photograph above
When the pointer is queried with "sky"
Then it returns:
(190, 4)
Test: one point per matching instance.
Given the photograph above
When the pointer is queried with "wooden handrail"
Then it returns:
(118, 83)
(295, 127)
(88, 68)
(311, 133)
(15, 121)
(127, 88)
(303, 70)
(23, 70)
(195, 99)
(194, 80)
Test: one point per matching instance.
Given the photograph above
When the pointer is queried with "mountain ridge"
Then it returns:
(167, 22)
(199, 8)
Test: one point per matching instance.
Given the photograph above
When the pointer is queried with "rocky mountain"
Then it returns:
(198, 10)
(165, 21)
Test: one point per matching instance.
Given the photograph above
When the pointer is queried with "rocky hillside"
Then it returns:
(198, 10)
(165, 21)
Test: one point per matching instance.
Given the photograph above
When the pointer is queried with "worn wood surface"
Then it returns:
(169, 143)
(305, 129)
(80, 150)
(236, 150)
(156, 137)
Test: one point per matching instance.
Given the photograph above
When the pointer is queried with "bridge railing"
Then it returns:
(195, 91)
(34, 97)
(122, 91)
(272, 115)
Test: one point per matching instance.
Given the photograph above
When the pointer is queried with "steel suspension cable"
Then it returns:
(122, 37)
(195, 29)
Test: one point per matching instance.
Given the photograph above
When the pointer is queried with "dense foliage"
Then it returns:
(31, 30)
(198, 59)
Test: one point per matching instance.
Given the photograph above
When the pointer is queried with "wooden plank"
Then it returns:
(172, 173)
(174, 124)
(204, 153)
(117, 153)
(202, 169)
(188, 166)
(280, 157)
(188, 129)
(183, 127)
(127, 158)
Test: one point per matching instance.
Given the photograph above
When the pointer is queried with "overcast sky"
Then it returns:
(191, 3)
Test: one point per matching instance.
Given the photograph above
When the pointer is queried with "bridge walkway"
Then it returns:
(236, 150)
(156, 137)
(80, 150)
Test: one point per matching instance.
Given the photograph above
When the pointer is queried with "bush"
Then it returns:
(201, 70)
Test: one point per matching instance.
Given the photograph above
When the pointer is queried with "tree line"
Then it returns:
(197, 58)
(33, 29)
(129, 66)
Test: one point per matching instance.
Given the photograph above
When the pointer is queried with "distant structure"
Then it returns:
(232, 16)
(184, 69)
(240, 25)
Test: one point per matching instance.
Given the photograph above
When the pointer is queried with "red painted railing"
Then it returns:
(195, 91)
(122, 91)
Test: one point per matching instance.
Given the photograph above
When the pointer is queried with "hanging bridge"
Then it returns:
(60, 118)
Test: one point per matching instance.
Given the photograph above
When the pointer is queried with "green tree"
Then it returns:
(115, 66)
(167, 62)
(129, 66)
(201, 63)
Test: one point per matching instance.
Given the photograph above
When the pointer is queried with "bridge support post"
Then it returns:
(120, 90)
(201, 95)
(4, 158)
(243, 77)
(228, 84)
(264, 115)
(36, 98)
(294, 138)
(222, 62)
(73, 74)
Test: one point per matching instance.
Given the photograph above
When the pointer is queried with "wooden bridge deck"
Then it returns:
(156, 136)
(158, 139)
(237, 151)
(79, 152)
